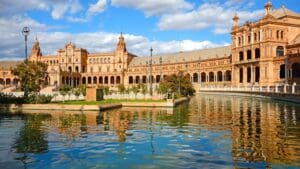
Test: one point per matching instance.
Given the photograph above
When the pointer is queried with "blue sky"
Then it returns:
(166, 25)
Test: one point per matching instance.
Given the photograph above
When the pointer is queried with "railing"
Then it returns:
(286, 88)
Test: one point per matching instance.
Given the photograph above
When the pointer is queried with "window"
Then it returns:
(249, 56)
(241, 55)
(239, 39)
(281, 34)
(255, 37)
(277, 34)
(91, 69)
(279, 51)
(257, 53)
(249, 39)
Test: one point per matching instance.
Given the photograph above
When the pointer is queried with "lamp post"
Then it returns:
(25, 33)
(160, 61)
(150, 64)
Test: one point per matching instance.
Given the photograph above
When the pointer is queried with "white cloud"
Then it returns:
(50, 42)
(155, 7)
(207, 15)
(97, 8)
(57, 8)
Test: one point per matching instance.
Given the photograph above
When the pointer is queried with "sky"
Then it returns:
(167, 26)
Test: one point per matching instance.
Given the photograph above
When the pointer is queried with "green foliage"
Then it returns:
(179, 84)
(135, 89)
(143, 88)
(106, 90)
(121, 88)
(32, 76)
(65, 89)
(82, 89)
(31, 98)
(10, 99)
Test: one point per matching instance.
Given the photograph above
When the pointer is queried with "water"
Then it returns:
(212, 131)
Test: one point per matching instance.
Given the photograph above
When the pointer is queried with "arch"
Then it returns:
(241, 55)
(241, 75)
(15, 81)
(249, 54)
(257, 53)
(257, 74)
(100, 80)
(144, 79)
(279, 51)
(76, 69)
(295, 70)
(255, 37)
(227, 75)
(282, 71)
(203, 77)
(219, 76)
(157, 78)
(240, 41)
(89, 80)
(70, 69)
(248, 74)
(281, 36)
(1, 81)
(130, 80)
(211, 76)
(67, 81)
(112, 80)
(95, 80)
(195, 77)
(164, 76)
(106, 80)
(118, 80)
(137, 79)
(277, 34)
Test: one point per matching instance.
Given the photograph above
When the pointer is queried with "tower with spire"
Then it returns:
(121, 46)
(35, 51)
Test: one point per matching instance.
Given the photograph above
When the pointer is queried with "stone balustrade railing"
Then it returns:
(283, 88)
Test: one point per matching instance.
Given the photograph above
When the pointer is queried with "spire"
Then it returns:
(235, 20)
(121, 44)
(35, 51)
(268, 8)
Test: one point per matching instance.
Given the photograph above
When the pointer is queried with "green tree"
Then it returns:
(32, 76)
(135, 90)
(143, 89)
(121, 88)
(179, 84)
(64, 90)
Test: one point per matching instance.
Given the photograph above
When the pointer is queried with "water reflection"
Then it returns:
(211, 131)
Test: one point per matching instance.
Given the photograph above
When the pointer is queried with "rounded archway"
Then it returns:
(195, 77)
(203, 77)
(295, 70)
(211, 76)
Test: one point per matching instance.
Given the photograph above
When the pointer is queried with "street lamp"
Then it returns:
(25, 33)
(160, 61)
(150, 64)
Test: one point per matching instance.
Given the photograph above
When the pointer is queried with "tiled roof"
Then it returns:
(283, 11)
(187, 56)
(5, 65)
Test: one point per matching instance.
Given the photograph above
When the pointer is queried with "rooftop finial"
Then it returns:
(235, 20)
(268, 8)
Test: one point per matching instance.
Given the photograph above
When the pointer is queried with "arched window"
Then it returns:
(249, 56)
(257, 53)
(241, 55)
(281, 35)
(282, 71)
(240, 41)
(279, 51)
(203, 77)
(255, 37)
(277, 34)
(130, 81)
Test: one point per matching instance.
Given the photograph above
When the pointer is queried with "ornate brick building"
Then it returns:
(262, 53)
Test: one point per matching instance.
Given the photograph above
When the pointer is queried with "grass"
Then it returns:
(107, 101)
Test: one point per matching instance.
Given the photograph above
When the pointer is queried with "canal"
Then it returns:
(211, 131)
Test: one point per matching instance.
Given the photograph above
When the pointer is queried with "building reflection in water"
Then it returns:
(261, 130)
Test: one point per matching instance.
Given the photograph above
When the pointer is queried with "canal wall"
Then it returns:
(168, 103)
(276, 96)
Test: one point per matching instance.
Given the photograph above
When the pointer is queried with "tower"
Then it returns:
(35, 51)
(121, 47)
(235, 21)
(268, 8)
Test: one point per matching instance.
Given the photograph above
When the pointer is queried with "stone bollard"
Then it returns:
(293, 88)
(284, 88)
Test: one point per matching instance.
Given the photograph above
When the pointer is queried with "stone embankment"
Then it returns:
(169, 103)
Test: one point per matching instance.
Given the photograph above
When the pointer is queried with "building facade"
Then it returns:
(262, 53)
